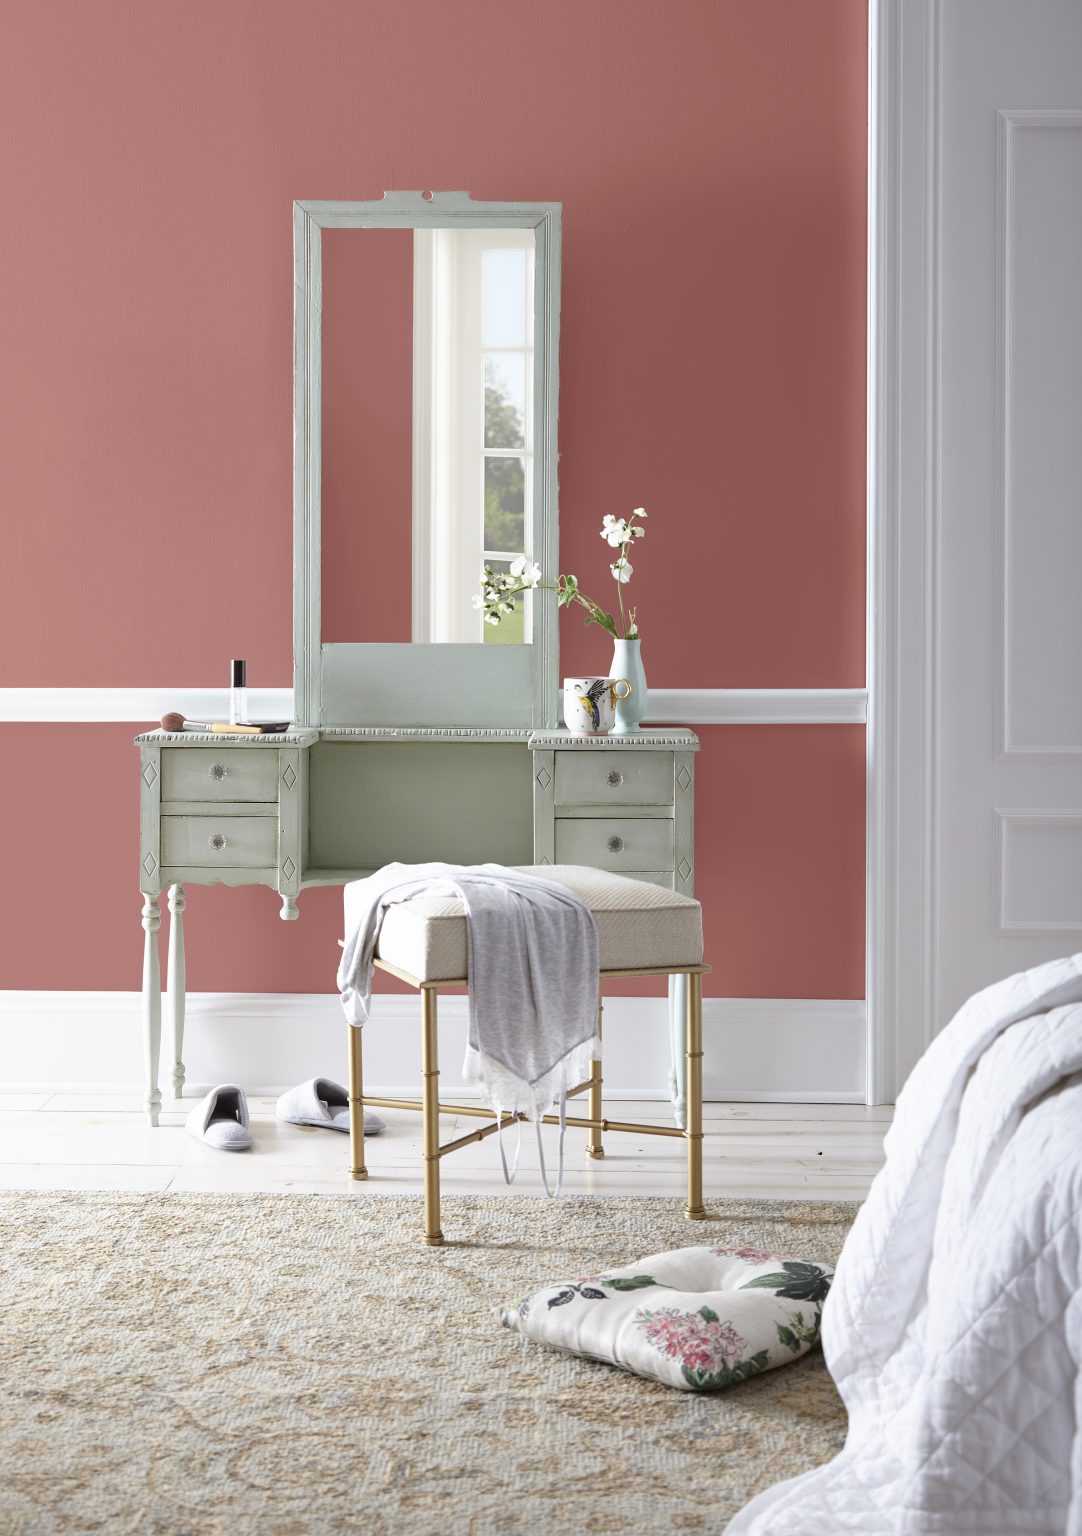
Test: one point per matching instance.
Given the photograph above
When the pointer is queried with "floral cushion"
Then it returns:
(696, 1318)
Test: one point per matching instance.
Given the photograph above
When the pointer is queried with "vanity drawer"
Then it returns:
(627, 777)
(234, 773)
(223, 842)
(617, 843)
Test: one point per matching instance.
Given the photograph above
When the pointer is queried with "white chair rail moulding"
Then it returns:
(137, 706)
(668, 706)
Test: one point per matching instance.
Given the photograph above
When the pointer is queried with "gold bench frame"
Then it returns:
(430, 1107)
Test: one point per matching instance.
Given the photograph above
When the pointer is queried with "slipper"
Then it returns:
(322, 1103)
(221, 1119)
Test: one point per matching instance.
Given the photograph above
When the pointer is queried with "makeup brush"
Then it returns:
(177, 722)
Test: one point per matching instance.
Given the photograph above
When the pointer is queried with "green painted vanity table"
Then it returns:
(441, 747)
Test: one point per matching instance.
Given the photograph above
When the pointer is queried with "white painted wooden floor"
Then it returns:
(784, 1151)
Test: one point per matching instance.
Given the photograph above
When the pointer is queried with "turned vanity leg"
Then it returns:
(152, 1004)
(678, 1002)
(594, 1146)
(176, 984)
(290, 911)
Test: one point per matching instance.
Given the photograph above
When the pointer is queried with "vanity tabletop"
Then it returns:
(673, 737)
(160, 738)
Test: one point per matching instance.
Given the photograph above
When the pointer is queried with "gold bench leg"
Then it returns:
(694, 1210)
(357, 1169)
(594, 1147)
(430, 1106)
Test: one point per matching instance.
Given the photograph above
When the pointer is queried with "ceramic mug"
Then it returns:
(590, 703)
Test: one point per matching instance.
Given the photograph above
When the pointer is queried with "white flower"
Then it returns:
(614, 530)
(640, 533)
(621, 569)
(639, 512)
(526, 570)
(477, 600)
(492, 618)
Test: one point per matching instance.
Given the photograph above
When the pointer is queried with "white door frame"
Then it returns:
(904, 46)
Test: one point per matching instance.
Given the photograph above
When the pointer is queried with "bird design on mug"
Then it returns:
(591, 700)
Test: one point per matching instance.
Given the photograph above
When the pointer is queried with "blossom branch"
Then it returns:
(499, 589)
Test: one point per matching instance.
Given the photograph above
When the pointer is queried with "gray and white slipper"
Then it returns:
(322, 1103)
(221, 1119)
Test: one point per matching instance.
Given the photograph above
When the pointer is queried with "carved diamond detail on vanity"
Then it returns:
(289, 778)
(544, 778)
(289, 869)
(683, 778)
(150, 863)
(150, 773)
(684, 869)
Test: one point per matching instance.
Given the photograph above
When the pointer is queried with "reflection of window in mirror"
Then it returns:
(472, 425)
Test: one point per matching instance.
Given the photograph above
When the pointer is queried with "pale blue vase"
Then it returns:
(627, 662)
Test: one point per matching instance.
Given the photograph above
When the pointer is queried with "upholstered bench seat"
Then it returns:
(640, 926)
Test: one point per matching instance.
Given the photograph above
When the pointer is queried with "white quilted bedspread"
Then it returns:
(954, 1326)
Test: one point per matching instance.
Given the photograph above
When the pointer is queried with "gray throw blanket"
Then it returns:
(533, 972)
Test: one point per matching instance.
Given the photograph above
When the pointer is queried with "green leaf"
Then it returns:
(708, 1315)
(752, 1367)
(606, 620)
(715, 1381)
(812, 1284)
(704, 1381)
(630, 1282)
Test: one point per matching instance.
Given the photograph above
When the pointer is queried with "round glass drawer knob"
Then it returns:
(615, 844)
(217, 841)
(218, 770)
(616, 778)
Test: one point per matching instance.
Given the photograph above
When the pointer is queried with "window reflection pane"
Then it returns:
(505, 299)
(505, 400)
(511, 630)
(505, 503)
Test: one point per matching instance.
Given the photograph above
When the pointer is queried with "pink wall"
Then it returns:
(710, 156)
(367, 462)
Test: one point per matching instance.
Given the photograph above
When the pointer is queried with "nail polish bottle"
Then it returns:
(238, 693)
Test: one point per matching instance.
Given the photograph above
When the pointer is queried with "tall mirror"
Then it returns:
(425, 434)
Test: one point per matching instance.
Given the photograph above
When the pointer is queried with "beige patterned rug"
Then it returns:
(191, 1364)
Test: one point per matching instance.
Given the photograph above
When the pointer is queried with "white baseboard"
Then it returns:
(754, 1049)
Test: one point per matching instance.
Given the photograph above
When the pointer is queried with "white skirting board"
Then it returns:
(754, 1049)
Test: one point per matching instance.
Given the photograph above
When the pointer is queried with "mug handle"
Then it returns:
(621, 696)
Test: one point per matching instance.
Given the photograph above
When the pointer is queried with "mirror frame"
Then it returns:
(500, 687)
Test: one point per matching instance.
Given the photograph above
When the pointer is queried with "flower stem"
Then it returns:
(620, 590)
